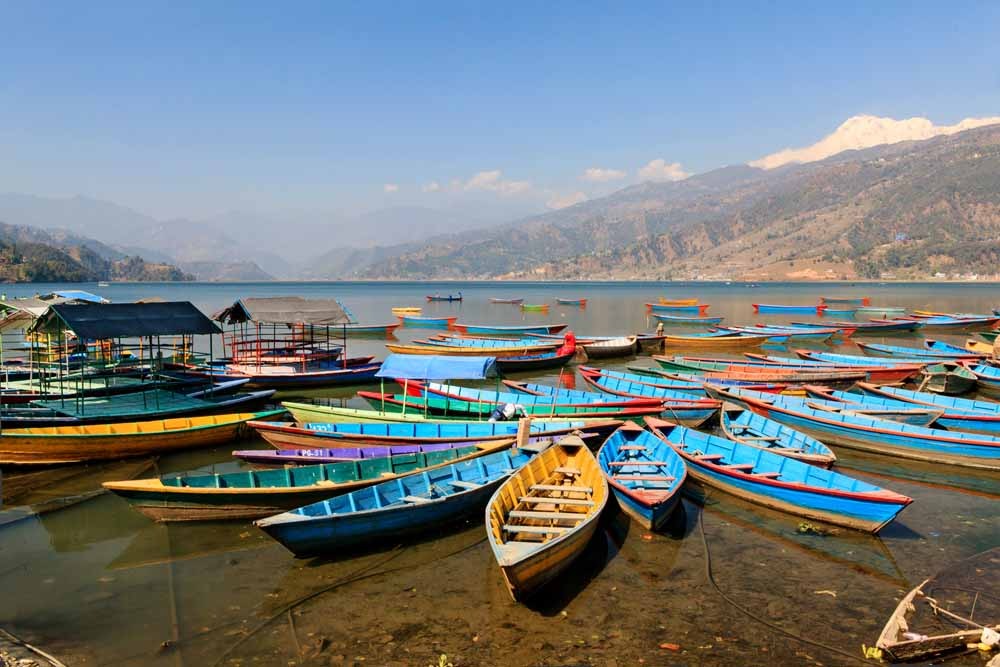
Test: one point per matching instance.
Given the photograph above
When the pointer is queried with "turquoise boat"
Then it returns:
(755, 431)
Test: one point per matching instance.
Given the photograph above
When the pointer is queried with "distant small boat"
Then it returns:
(444, 297)
(678, 319)
(103, 284)
(512, 301)
(427, 322)
(884, 311)
(508, 330)
(665, 308)
(541, 519)
(572, 302)
(718, 341)
(847, 300)
(677, 302)
(779, 308)
(535, 306)
(624, 346)
(407, 310)
(367, 329)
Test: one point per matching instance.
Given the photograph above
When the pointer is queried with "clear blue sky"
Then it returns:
(192, 108)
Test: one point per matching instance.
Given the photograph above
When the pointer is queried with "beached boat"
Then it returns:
(644, 473)
(510, 301)
(444, 297)
(869, 328)
(779, 308)
(107, 442)
(715, 341)
(846, 300)
(466, 351)
(419, 322)
(696, 308)
(253, 494)
(688, 384)
(541, 519)
(754, 430)
(950, 379)
(624, 346)
(763, 372)
(534, 307)
(880, 436)
(441, 406)
(563, 397)
(321, 435)
(932, 350)
(571, 302)
(680, 319)
(780, 482)
(508, 330)
(530, 363)
(403, 507)
(987, 379)
(949, 323)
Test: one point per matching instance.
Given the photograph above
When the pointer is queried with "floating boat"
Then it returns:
(535, 307)
(883, 311)
(321, 435)
(947, 378)
(466, 351)
(936, 353)
(715, 341)
(253, 494)
(644, 473)
(276, 458)
(778, 308)
(562, 397)
(947, 323)
(541, 519)
(624, 346)
(677, 302)
(571, 302)
(403, 507)
(440, 406)
(680, 406)
(783, 334)
(679, 319)
(870, 328)
(418, 322)
(979, 348)
(699, 309)
(509, 330)
(533, 362)
(769, 373)
(987, 378)
(406, 310)
(511, 301)
(838, 312)
(106, 442)
(879, 436)
(265, 376)
(530, 345)
(822, 398)
(754, 430)
(849, 300)
(989, 335)
(780, 482)
(943, 348)
(444, 297)
(356, 330)
(688, 384)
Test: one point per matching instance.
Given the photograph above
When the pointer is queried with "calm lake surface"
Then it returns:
(94, 583)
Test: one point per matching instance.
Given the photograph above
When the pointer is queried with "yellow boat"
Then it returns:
(678, 302)
(542, 518)
(407, 310)
(979, 347)
(522, 351)
(104, 442)
(721, 342)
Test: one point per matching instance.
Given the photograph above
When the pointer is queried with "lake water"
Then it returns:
(95, 583)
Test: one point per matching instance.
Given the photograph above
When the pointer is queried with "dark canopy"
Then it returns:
(95, 321)
(286, 310)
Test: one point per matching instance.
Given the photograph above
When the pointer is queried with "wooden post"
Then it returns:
(523, 431)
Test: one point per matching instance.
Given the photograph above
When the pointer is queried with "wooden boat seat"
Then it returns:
(536, 530)
(554, 516)
(463, 484)
(637, 463)
(769, 475)
(740, 466)
(416, 500)
(709, 457)
(560, 487)
(538, 500)
(757, 438)
(643, 478)
(632, 448)
(568, 471)
(536, 447)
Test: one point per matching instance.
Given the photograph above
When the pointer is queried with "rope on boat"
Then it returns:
(752, 615)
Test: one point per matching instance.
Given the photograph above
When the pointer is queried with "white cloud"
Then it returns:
(562, 201)
(390, 187)
(493, 181)
(864, 132)
(433, 186)
(598, 175)
(661, 170)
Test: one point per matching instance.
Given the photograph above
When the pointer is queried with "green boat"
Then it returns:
(329, 414)
(439, 405)
(535, 306)
(989, 335)
(254, 494)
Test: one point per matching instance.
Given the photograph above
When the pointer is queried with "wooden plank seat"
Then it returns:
(568, 471)
(643, 478)
(462, 484)
(709, 457)
(637, 463)
(553, 516)
(769, 475)
(538, 500)
(415, 499)
(758, 438)
(740, 466)
(536, 530)
(632, 448)
(560, 487)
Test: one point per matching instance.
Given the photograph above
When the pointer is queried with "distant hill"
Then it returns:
(906, 210)
(227, 271)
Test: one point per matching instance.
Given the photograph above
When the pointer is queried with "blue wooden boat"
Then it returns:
(492, 397)
(445, 297)
(848, 300)
(509, 330)
(872, 327)
(933, 350)
(285, 457)
(406, 506)
(939, 346)
(784, 333)
(572, 302)
(698, 309)
(779, 308)
(366, 329)
(418, 322)
(857, 360)
(644, 473)
(679, 319)
(880, 311)
(880, 436)
(838, 312)
(987, 379)
(753, 430)
(489, 343)
(689, 385)
(780, 482)
(949, 323)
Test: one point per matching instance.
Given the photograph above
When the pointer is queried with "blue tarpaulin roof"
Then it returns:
(80, 295)
(436, 367)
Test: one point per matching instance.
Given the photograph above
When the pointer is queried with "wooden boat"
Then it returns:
(677, 302)
(680, 406)
(645, 474)
(414, 321)
(572, 302)
(530, 363)
(106, 442)
(848, 300)
(979, 348)
(737, 370)
(680, 319)
(989, 335)
(778, 308)
(406, 310)
(444, 297)
(987, 379)
(624, 346)
(870, 434)
(267, 376)
(834, 400)
(320, 435)
(736, 341)
(838, 312)
(933, 350)
(462, 409)
(277, 458)
(947, 323)
(486, 344)
(509, 330)
(872, 327)
(698, 309)
(541, 519)
(880, 311)
(780, 482)
(356, 330)
(688, 384)
(959, 414)
(253, 494)
(782, 335)
(951, 379)
(562, 397)
(403, 507)
(465, 351)
(754, 430)
(510, 301)
(535, 307)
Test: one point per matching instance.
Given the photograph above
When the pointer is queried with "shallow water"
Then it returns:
(95, 583)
